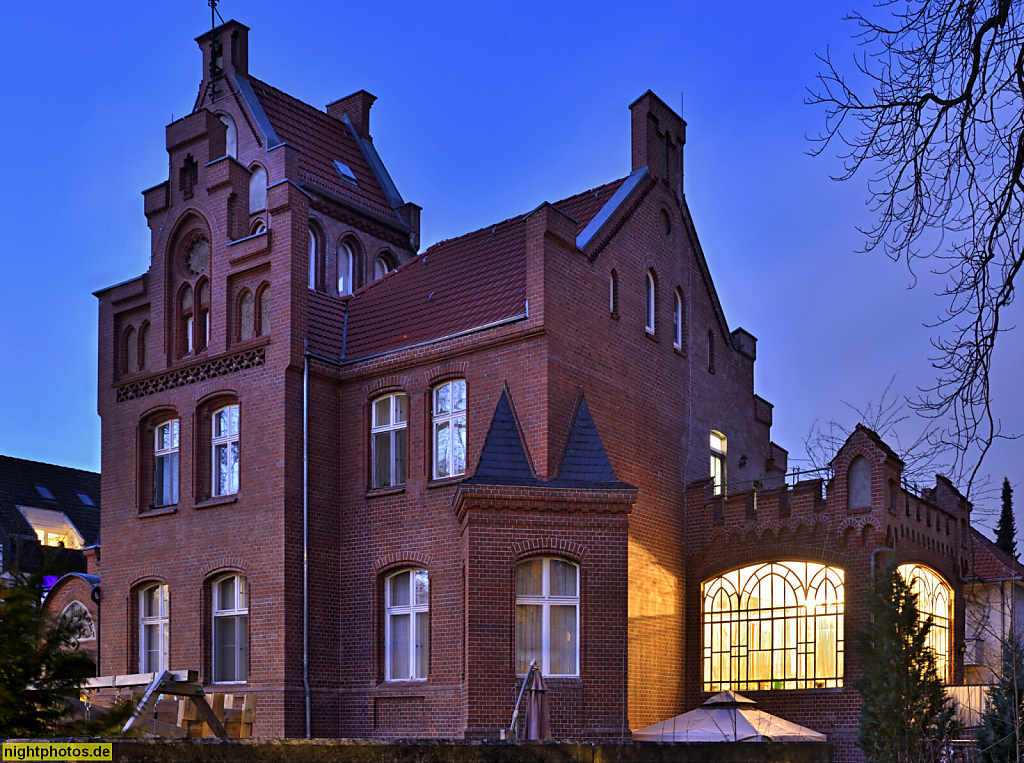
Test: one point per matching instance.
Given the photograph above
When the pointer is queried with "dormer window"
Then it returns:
(52, 528)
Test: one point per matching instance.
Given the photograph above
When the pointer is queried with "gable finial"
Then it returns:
(216, 50)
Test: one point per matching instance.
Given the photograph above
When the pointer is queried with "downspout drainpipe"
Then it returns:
(305, 536)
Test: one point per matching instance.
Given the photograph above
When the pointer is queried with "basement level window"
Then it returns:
(85, 499)
(44, 492)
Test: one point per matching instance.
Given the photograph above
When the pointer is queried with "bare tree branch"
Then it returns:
(941, 137)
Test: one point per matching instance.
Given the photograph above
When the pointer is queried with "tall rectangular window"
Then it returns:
(230, 630)
(407, 626)
(165, 488)
(547, 616)
(154, 628)
(718, 462)
(449, 428)
(225, 450)
(388, 432)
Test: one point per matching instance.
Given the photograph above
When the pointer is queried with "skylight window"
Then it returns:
(345, 173)
(45, 493)
(85, 499)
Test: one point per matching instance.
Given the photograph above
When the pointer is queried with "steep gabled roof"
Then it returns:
(585, 462)
(18, 487)
(503, 458)
(989, 563)
(321, 140)
(456, 285)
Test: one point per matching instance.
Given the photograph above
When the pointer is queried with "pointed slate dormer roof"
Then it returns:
(503, 459)
(585, 462)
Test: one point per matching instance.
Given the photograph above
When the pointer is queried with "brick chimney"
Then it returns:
(357, 106)
(227, 48)
(658, 136)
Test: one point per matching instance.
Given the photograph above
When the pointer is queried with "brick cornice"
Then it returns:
(539, 498)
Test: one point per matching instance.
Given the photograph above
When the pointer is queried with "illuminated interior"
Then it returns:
(53, 528)
(935, 600)
(774, 626)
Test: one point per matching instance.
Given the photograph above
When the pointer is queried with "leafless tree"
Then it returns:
(933, 112)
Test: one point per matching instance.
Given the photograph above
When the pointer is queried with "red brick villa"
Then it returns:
(371, 483)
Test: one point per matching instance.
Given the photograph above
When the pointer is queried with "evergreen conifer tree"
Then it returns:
(906, 717)
(999, 738)
(1006, 531)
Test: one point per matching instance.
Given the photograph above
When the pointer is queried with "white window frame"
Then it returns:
(546, 600)
(413, 610)
(238, 611)
(650, 319)
(226, 440)
(719, 448)
(451, 419)
(169, 458)
(161, 620)
(391, 428)
(313, 245)
(345, 285)
(677, 339)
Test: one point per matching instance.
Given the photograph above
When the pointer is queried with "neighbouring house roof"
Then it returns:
(323, 140)
(29, 483)
(989, 563)
(454, 286)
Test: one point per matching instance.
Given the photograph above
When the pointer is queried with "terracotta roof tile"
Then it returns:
(322, 139)
(454, 286)
(990, 563)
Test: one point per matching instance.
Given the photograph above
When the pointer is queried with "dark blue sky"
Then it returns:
(484, 111)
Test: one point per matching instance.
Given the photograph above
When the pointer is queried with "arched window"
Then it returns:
(711, 352)
(383, 264)
(449, 428)
(257, 189)
(77, 616)
(649, 325)
(165, 463)
(718, 445)
(858, 485)
(314, 246)
(678, 332)
(774, 626)
(202, 332)
(345, 270)
(613, 293)
(388, 431)
(131, 351)
(188, 321)
(154, 628)
(231, 630)
(225, 450)
(548, 616)
(144, 346)
(257, 227)
(407, 625)
(246, 315)
(263, 324)
(231, 136)
(935, 601)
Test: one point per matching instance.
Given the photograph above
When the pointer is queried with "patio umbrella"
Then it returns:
(537, 714)
(727, 717)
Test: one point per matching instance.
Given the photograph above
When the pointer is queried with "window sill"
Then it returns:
(377, 492)
(650, 335)
(159, 511)
(220, 500)
(446, 481)
(614, 316)
(679, 351)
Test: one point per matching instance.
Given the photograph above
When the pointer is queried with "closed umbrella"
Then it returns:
(538, 714)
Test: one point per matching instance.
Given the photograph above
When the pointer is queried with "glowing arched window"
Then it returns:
(774, 626)
(934, 600)
(257, 189)
(231, 137)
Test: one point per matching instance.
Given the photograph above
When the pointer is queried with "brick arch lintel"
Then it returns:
(388, 383)
(453, 370)
(145, 575)
(401, 559)
(227, 564)
(565, 548)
